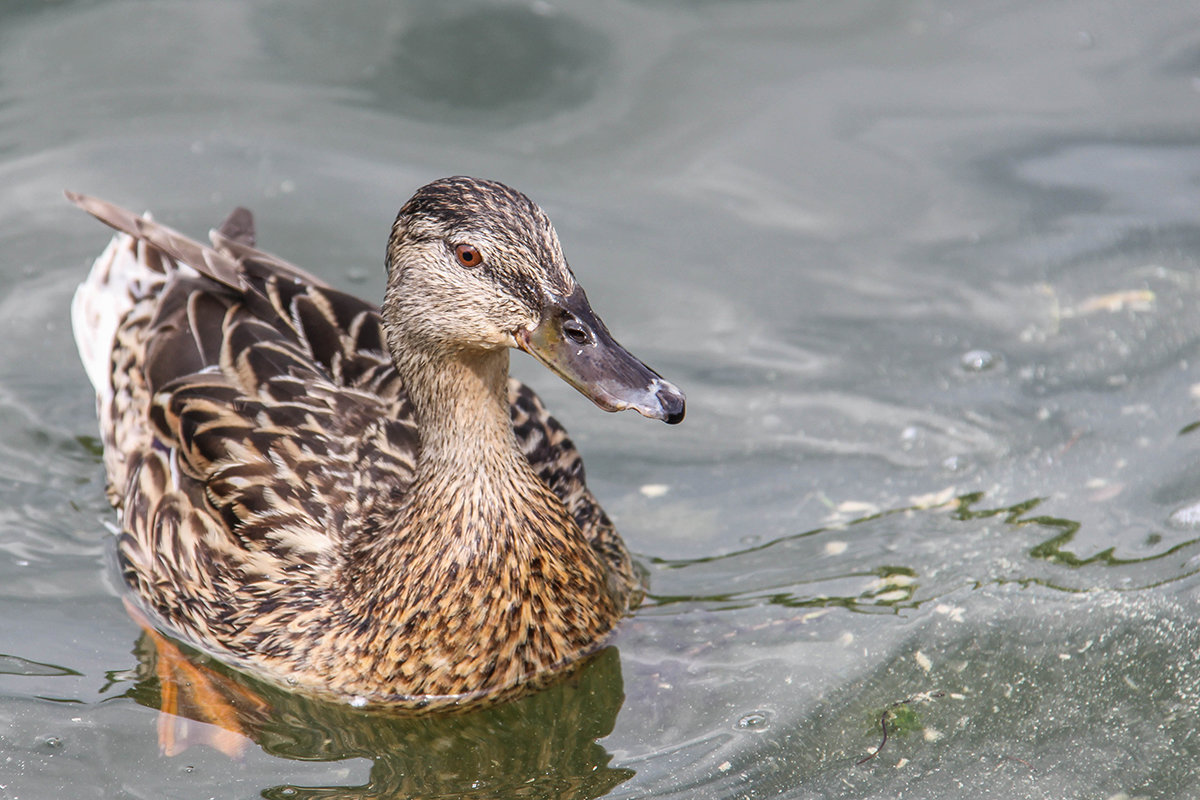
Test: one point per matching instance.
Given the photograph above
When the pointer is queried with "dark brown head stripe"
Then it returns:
(501, 218)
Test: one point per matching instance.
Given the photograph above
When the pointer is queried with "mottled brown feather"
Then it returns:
(263, 451)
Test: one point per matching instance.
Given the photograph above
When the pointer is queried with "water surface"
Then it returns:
(926, 270)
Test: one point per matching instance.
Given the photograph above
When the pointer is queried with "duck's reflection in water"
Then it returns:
(541, 745)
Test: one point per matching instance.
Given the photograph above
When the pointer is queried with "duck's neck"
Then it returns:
(475, 499)
(469, 468)
(483, 568)
(460, 405)
(473, 491)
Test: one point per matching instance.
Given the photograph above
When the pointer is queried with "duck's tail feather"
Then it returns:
(124, 273)
(205, 260)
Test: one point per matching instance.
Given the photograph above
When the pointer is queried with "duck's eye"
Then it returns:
(468, 256)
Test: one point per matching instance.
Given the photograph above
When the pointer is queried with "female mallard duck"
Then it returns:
(353, 501)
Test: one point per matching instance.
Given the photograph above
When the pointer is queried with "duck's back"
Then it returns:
(253, 426)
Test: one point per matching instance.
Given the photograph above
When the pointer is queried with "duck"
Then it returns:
(356, 501)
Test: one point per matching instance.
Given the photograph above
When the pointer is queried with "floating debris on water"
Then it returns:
(1133, 299)
(934, 499)
(1186, 518)
(755, 721)
(978, 360)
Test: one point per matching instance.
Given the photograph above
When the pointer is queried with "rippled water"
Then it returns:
(927, 271)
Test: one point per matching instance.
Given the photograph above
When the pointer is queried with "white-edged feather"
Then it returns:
(104, 299)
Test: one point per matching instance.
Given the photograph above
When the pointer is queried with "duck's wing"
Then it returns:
(250, 414)
(257, 473)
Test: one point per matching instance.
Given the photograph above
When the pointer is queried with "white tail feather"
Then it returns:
(118, 279)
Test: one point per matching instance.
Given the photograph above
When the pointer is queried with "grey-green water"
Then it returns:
(927, 271)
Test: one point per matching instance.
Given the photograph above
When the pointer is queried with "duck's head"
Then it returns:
(475, 265)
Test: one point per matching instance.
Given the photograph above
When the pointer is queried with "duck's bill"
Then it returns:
(573, 342)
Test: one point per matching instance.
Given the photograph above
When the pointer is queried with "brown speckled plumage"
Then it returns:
(358, 503)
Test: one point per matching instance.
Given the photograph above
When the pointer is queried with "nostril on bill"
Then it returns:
(575, 330)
